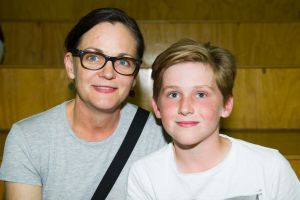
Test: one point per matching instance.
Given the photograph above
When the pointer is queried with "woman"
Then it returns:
(63, 153)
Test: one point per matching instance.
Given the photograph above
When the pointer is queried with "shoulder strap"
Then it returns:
(122, 155)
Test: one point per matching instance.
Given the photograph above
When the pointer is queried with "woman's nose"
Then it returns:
(107, 71)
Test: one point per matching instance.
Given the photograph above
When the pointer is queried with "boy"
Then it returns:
(192, 90)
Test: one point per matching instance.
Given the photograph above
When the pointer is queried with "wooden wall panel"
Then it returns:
(3, 136)
(286, 141)
(263, 100)
(2, 197)
(258, 44)
(246, 10)
(28, 43)
(295, 163)
(266, 99)
(22, 42)
(38, 10)
(254, 44)
(207, 10)
(28, 91)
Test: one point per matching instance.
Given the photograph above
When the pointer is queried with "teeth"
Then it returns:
(105, 88)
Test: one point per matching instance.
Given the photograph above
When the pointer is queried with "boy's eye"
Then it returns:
(201, 95)
(172, 95)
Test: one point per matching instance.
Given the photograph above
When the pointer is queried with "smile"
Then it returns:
(187, 123)
(105, 89)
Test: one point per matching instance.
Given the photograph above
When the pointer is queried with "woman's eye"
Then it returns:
(201, 95)
(92, 58)
(172, 95)
(123, 62)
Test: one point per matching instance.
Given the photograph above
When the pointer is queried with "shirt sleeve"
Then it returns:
(17, 164)
(139, 185)
(286, 184)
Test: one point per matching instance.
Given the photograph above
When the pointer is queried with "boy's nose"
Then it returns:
(186, 107)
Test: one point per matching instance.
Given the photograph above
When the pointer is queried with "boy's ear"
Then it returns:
(228, 106)
(155, 108)
(69, 66)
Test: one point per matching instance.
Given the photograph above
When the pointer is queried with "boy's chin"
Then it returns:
(185, 144)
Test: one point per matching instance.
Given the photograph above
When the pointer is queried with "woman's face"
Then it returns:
(103, 89)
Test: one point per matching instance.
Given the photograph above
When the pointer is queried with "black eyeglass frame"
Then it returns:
(80, 53)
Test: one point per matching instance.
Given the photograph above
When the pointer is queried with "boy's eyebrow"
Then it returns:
(199, 87)
(169, 87)
(196, 87)
(204, 86)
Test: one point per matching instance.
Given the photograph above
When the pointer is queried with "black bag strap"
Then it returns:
(122, 155)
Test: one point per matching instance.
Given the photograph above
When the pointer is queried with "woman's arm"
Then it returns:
(18, 191)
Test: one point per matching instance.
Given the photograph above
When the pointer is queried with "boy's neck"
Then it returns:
(203, 156)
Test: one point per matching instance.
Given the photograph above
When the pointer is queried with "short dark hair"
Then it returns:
(100, 15)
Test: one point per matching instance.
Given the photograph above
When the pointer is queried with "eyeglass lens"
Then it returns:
(95, 61)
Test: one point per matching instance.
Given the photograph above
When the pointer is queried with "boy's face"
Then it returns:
(190, 103)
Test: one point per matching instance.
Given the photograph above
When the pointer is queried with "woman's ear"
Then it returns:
(155, 108)
(134, 82)
(69, 65)
(228, 106)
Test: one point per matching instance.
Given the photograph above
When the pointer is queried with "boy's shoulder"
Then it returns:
(155, 158)
(254, 152)
(251, 147)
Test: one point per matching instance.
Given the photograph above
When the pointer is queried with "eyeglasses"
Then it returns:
(93, 60)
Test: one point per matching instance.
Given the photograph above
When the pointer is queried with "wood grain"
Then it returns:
(28, 91)
(263, 99)
(246, 10)
(254, 44)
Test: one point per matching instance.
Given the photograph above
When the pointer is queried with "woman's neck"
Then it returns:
(91, 124)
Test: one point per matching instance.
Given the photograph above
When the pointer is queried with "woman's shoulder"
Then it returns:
(44, 117)
(40, 125)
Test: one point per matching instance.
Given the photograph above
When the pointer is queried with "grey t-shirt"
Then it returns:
(43, 150)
